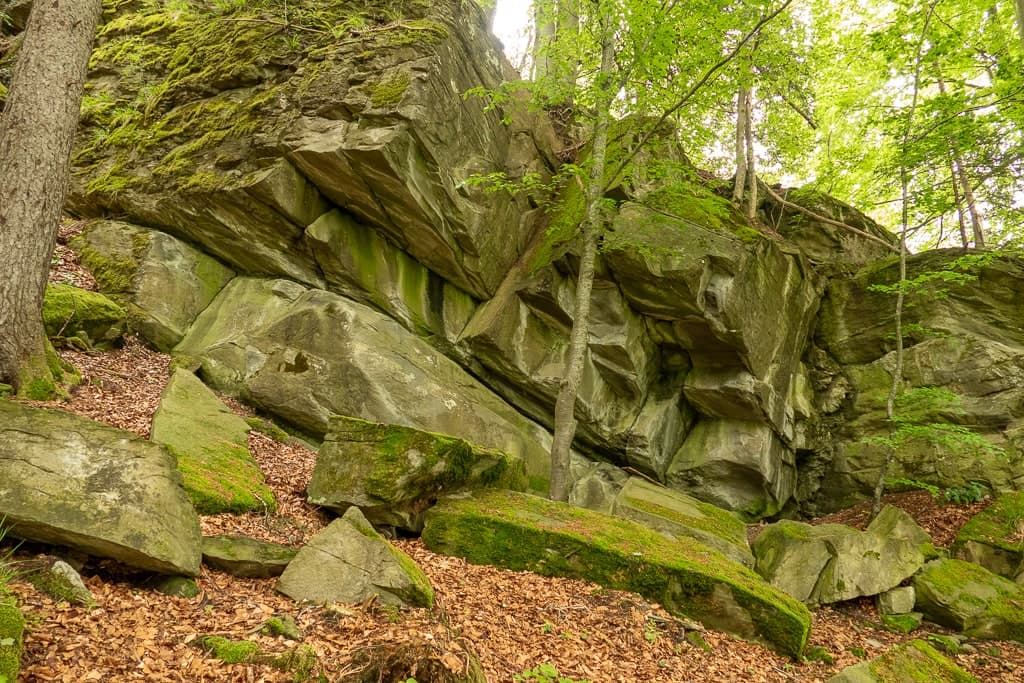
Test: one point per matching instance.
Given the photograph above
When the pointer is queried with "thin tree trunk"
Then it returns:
(739, 185)
(751, 160)
(565, 404)
(964, 239)
(559, 26)
(36, 137)
(897, 372)
(1020, 21)
(966, 188)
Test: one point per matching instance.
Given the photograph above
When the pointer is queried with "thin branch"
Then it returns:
(825, 219)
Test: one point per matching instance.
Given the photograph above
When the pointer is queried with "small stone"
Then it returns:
(284, 626)
(947, 644)
(62, 582)
(902, 623)
(178, 587)
(896, 601)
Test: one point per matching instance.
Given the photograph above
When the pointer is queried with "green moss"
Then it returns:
(712, 520)
(901, 623)
(388, 91)
(507, 529)
(422, 593)
(944, 643)
(230, 651)
(268, 428)
(12, 629)
(68, 310)
(113, 275)
(996, 525)
(917, 661)
(819, 654)
(284, 627)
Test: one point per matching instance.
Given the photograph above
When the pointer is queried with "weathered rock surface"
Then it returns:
(518, 531)
(246, 557)
(971, 599)
(915, 660)
(992, 538)
(832, 562)
(60, 581)
(70, 481)
(210, 444)
(163, 282)
(898, 600)
(91, 317)
(305, 355)
(671, 513)
(350, 562)
(393, 474)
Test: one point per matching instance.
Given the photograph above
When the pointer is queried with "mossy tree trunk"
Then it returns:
(565, 404)
(36, 136)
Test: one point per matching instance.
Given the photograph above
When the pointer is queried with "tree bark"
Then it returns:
(739, 184)
(1020, 21)
(565, 404)
(751, 161)
(36, 136)
(966, 188)
(964, 239)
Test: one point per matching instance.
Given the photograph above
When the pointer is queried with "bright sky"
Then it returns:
(511, 23)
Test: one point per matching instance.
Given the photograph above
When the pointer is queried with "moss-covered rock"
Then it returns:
(994, 538)
(60, 581)
(178, 587)
(246, 557)
(73, 482)
(832, 562)
(211, 446)
(12, 629)
(969, 598)
(350, 562)
(910, 662)
(518, 531)
(394, 473)
(69, 311)
(163, 282)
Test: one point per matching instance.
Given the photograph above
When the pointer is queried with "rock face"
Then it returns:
(991, 537)
(393, 474)
(210, 444)
(831, 562)
(915, 660)
(518, 531)
(971, 599)
(307, 354)
(70, 481)
(350, 562)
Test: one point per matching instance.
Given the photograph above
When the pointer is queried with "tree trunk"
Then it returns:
(751, 161)
(739, 185)
(36, 137)
(554, 22)
(565, 404)
(1020, 21)
(964, 239)
(966, 188)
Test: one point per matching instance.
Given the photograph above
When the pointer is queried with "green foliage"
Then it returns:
(973, 492)
(545, 673)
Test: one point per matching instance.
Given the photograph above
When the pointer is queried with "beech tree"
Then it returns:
(36, 136)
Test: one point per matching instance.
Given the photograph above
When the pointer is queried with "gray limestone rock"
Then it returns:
(246, 557)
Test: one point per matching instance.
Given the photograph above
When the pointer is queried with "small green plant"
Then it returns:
(545, 673)
(962, 495)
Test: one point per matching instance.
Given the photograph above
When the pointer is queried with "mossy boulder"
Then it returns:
(912, 661)
(350, 562)
(246, 557)
(163, 282)
(832, 562)
(12, 630)
(66, 480)
(60, 581)
(994, 538)
(971, 599)
(394, 473)
(211, 446)
(304, 355)
(69, 311)
(519, 531)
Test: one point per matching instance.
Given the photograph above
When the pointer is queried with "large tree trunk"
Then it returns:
(565, 404)
(554, 23)
(36, 135)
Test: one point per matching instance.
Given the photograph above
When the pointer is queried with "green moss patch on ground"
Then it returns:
(12, 629)
(519, 531)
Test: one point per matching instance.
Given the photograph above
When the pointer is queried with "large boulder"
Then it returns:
(519, 531)
(832, 562)
(163, 282)
(306, 354)
(350, 562)
(393, 474)
(243, 134)
(994, 538)
(915, 660)
(70, 481)
(671, 513)
(211, 445)
(969, 598)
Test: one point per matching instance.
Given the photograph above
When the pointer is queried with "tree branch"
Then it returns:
(825, 219)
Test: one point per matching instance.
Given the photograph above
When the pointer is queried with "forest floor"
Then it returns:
(513, 621)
